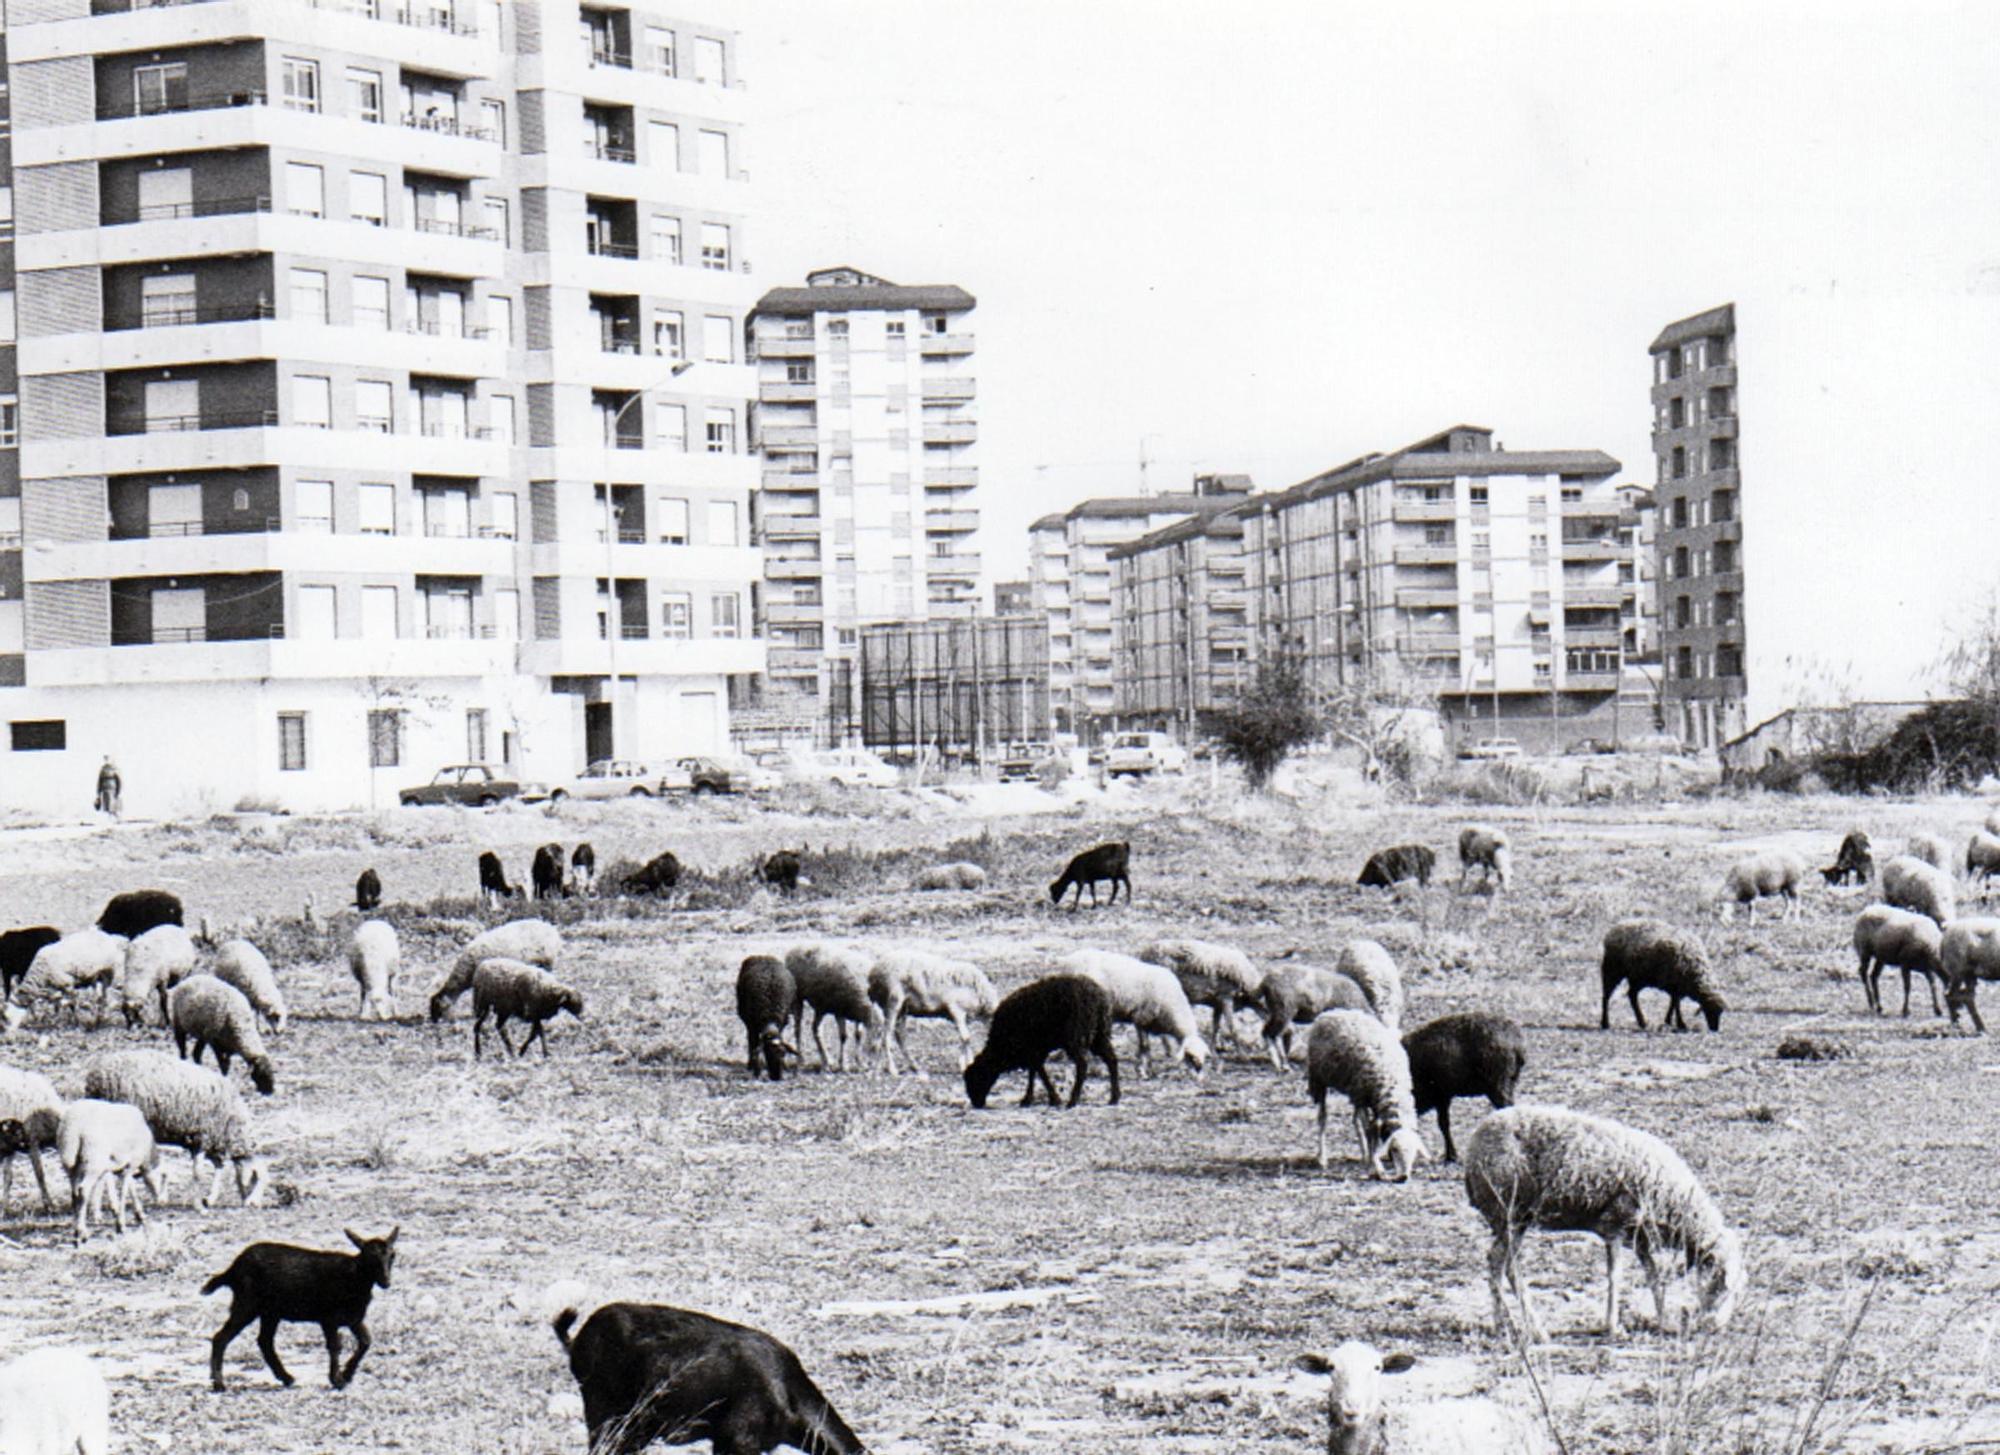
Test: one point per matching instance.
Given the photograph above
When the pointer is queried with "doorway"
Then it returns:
(596, 732)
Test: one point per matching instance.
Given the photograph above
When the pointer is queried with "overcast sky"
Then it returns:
(1270, 236)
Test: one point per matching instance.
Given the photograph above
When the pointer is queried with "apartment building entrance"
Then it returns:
(596, 732)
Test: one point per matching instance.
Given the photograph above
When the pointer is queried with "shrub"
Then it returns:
(1275, 716)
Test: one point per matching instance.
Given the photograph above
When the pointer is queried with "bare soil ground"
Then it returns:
(1107, 1279)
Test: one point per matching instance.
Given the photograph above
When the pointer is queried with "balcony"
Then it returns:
(1426, 555)
(945, 343)
(945, 390)
(653, 656)
(962, 432)
(129, 106)
(1417, 512)
(1722, 426)
(1428, 644)
(1592, 636)
(785, 526)
(957, 477)
(782, 436)
(794, 613)
(1612, 509)
(183, 423)
(1599, 596)
(778, 568)
(806, 479)
(201, 207)
(964, 564)
(1420, 597)
(204, 661)
(951, 520)
(300, 548)
(783, 348)
(1719, 376)
(785, 391)
(181, 315)
(1593, 549)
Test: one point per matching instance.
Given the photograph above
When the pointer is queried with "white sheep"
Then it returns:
(108, 1141)
(1220, 977)
(1147, 997)
(1763, 875)
(28, 1099)
(1486, 849)
(64, 970)
(211, 1015)
(155, 962)
(950, 876)
(1982, 857)
(1296, 995)
(1360, 1420)
(374, 957)
(242, 964)
(1355, 1054)
(53, 1402)
(916, 982)
(1371, 967)
(1549, 1167)
(515, 990)
(185, 1106)
(535, 941)
(1886, 936)
(1910, 883)
(1970, 952)
(1933, 849)
(833, 980)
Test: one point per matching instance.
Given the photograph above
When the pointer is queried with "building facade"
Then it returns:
(869, 500)
(1013, 598)
(1183, 626)
(962, 687)
(381, 393)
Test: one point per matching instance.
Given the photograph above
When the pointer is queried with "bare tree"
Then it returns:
(1381, 711)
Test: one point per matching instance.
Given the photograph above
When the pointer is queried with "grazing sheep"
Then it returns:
(185, 1106)
(583, 869)
(781, 870)
(1970, 953)
(658, 875)
(1933, 849)
(210, 1014)
(53, 1402)
(766, 997)
(534, 940)
(1359, 1421)
(1220, 977)
(914, 982)
(493, 885)
(1066, 1013)
(134, 912)
(368, 891)
(100, 1141)
(242, 964)
(950, 876)
(1650, 954)
(1563, 1171)
(833, 980)
(1487, 850)
(1982, 858)
(17, 952)
(1772, 872)
(1886, 936)
(516, 990)
(1146, 997)
(1386, 868)
(1372, 968)
(279, 1283)
(1909, 883)
(374, 956)
(1358, 1056)
(30, 1107)
(64, 970)
(1092, 867)
(1297, 995)
(546, 872)
(155, 963)
(648, 1372)
(1854, 863)
(1472, 1053)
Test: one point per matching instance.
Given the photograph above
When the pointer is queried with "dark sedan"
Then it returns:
(474, 784)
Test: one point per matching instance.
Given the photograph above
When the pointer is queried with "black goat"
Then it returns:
(278, 1283)
(781, 870)
(1387, 868)
(493, 885)
(368, 891)
(1473, 1053)
(649, 1372)
(1064, 1013)
(17, 953)
(134, 912)
(583, 869)
(1854, 862)
(1092, 866)
(547, 871)
(659, 874)
(766, 998)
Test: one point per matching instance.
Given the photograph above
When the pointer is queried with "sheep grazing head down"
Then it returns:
(1721, 1279)
(1397, 1157)
(1356, 1415)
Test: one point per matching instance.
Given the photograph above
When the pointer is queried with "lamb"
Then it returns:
(1360, 1422)
(583, 869)
(1370, 966)
(1147, 997)
(546, 872)
(1650, 954)
(368, 891)
(1358, 1056)
(1066, 1013)
(1220, 977)
(1472, 1053)
(659, 874)
(104, 1140)
(833, 980)
(374, 956)
(134, 912)
(781, 871)
(17, 952)
(30, 1119)
(155, 963)
(1386, 868)
(185, 1106)
(1761, 876)
(61, 971)
(1970, 953)
(960, 875)
(1853, 862)
(493, 885)
(1092, 867)
(766, 997)
(242, 964)
(648, 1372)
(1488, 851)
(1564, 1171)
(278, 1283)
(1886, 936)
(53, 1402)
(1909, 883)
(210, 1014)
(1933, 849)
(1982, 858)
(1297, 995)
(914, 982)
(516, 990)
(534, 940)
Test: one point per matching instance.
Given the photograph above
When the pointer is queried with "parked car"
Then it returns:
(620, 778)
(1133, 755)
(854, 767)
(724, 773)
(476, 784)
(1019, 760)
(1583, 747)
(1492, 748)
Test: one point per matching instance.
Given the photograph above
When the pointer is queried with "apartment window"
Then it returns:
(1680, 462)
(375, 511)
(660, 49)
(1437, 535)
(371, 302)
(159, 88)
(375, 405)
(708, 59)
(668, 342)
(506, 510)
(937, 323)
(1482, 543)
(507, 620)
(166, 192)
(666, 235)
(312, 401)
(1476, 494)
(1680, 571)
(500, 320)
(676, 615)
(1482, 601)
(1721, 454)
(714, 153)
(799, 371)
(894, 328)
(364, 94)
(385, 738)
(475, 735)
(722, 614)
(1538, 543)
(722, 523)
(673, 516)
(493, 119)
(166, 299)
(721, 431)
(378, 612)
(664, 145)
(368, 198)
(10, 421)
(305, 189)
(180, 614)
(301, 84)
(312, 502)
(500, 410)
(494, 210)
(718, 338)
(292, 742)
(715, 251)
(670, 427)
(49, 735)
(308, 295)
(316, 615)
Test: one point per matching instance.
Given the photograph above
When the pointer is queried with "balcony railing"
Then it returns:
(165, 634)
(131, 106)
(610, 151)
(604, 55)
(613, 249)
(420, 17)
(440, 227)
(454, 431)
(181, 423)
(433, 329)
(204, 207)
(448, 126)
(178, 315)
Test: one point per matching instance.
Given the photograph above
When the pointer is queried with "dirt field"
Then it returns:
(1108, 1279)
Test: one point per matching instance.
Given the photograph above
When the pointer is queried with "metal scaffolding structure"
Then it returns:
(961, 688)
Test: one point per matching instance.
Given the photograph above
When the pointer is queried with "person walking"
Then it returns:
(109, 787)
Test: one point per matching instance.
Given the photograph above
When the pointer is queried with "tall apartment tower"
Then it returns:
(381, 394)
(1700, 579)
(870, 480)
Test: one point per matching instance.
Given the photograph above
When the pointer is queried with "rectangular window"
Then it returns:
(676, 615)
(312, 401)
(173, 510)
(722, 522)
(668, 331)
(305, 189)
(507, 614)
(722, 614)
(799, 371)
(506, 510)
(659, 51)
(166, 299)
(378, 612)
(364, 94)
(371, 302)
(500, 410)
(168, 192)
(718, 338)
(172, 404)
(500, 321)
(368, 198)
(375, 405)
(493, 119)
(495, 211)
(313, 505)
(475, 735)
(292, 742)
(308, 295)
(708, 61)
(664, 139)
(715, 246)
(894, 328)
(10, 421)
(385, 738)
(301, 84)
(50, 735)
(7, 323)
(375, 515)
(180, 614)
(316, 621)
(159, 88)
(721, 431)
(715, 153)
(670, 427)
(673, 521)
(666, 234)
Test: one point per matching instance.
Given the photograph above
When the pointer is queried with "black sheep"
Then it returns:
(648, 1372)
(1854, 862)
(278, 1283)
(368, 891)
(1650, 954)
(546, 872)
(660, 873)
(583, 868)
(1473, 1053)
(493, 885)
(1106, 861)
(1064, 1013)
(134, 912)
(766, 998)
(781, 871)
(17, 953)
(1387, 868)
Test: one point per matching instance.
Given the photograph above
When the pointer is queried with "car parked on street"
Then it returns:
(724, 773)
(1134, 755)
(620, 778)
(477, 785)
(1019, 760)
(852, 767)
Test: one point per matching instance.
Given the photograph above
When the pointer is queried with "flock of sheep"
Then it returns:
(1525, 1167)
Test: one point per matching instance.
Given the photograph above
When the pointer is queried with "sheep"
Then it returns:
(1220, 977)
(534, 940)
(17, 953)
(833, 980)
(134, 912)
(53, 1402)
(583, 869)
(1933, 849)
(155, 963)
(1370, 966)
(104, 1140)
(1886, 936)
(1970, 953)
(914, 982)
(1471, 1053)
(368, 891)
(1092, 867)
(950, 876)
(1982, 858)
(1565, 1171)
(1909, 883)
(648, 1372)
(374, 956)
(215, 1016)
(1386, 868)
(546, 872)
(1358, 1056)
(516, 990)
(1853, 861)
(1359, 1421)
(1147, 997)
(29, 1107)
(493, 885)
(1296, 995)
(62, 970)
(1488, 851)
(242, 964)
(185, 1106)
(1652, 954)
(659, 874)
(781, 870)
(1066, 1013)
(279, 1283)
(1760, 876)
(766, 997)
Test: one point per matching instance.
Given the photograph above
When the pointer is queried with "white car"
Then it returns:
(1137, 754)
(617, 778)
(854, 767)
